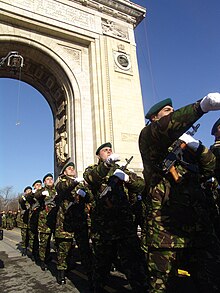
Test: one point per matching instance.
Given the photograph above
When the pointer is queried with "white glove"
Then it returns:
(23, 197)
(211, 102)
(139, 197)
(79, 179)
(191, 142)
(121, 175)
(112, 159)
(45, 192)
(81, 192)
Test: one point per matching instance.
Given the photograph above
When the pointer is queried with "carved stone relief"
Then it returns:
(113, 29)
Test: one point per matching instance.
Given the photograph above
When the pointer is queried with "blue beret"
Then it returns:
(104, 145)
(37, 181)
(47, 175)
(67, 165)
(214, 128)
(157, 107)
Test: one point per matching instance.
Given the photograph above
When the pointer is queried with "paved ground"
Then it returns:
(19, 274)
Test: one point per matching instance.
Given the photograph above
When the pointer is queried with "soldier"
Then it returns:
(10, 220)
(179, 232)
(72, 193)
(112, 227)
(45, 197)
(4, 222)
(23, 219)
(215, 148)
(33, 221)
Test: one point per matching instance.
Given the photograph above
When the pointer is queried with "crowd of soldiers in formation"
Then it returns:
(8, 219)
(176, 205)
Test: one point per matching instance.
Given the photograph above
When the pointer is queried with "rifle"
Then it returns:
(168, 164)
(112, 182)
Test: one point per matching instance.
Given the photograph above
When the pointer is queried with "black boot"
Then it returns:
(61, 277)
(43, 266)
(24, 252)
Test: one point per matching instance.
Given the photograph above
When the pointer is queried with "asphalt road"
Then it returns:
(19, 274)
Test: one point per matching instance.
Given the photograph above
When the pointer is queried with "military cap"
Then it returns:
(215, 126)
(47, 175)
(157, 107)
(27, 187)
(104, 145)
(37, 181)
(67, 165)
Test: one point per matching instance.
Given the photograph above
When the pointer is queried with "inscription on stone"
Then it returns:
(56, 10)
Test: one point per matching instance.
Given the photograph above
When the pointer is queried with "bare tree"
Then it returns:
(7, 197)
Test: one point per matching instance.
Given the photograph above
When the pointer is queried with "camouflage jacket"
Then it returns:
(177, 215)
(111, 215)
(45, 197)
(66, 193)
(25, 206)
(215, 148)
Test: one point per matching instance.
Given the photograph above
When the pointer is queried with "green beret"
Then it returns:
(47, 175)
(37, 181)
(157, 107)
(215, 126)
(67, 165)
(104, 145)
(27, 187)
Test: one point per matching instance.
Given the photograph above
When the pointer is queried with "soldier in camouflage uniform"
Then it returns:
(180, 234)
(73, 192)
(9, 220)
(215, 148)
(23, 221)
(112, 225)
(4, 222)
(45, 197)
(33, 221)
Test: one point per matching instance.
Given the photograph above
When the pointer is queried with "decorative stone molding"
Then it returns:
(121, 9)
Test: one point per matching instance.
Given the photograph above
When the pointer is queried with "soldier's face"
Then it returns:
(48, 181)
(217, 134)
(163, 112)
(37, 186)
(28, 191)
(70, 171)
(105, 153)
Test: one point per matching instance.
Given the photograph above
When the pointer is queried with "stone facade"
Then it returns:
(81, 55)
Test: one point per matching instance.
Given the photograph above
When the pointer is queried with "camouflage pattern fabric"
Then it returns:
(45, 196)
(24, 237)
(112, 227)
(63, 249)
(215, 148)
(177, 213)
(66, 194)
(44, 246)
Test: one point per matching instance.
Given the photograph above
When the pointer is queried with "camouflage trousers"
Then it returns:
(33, 242)
(44, 246)
(24, 237)
(131, 257)
(82, 240)
(64, 246)
(170, 269)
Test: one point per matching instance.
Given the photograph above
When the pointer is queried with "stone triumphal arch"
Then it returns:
(81, 55)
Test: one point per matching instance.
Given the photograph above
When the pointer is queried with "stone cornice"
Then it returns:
(122, 9)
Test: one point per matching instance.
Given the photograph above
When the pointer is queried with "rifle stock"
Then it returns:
(168, 164)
